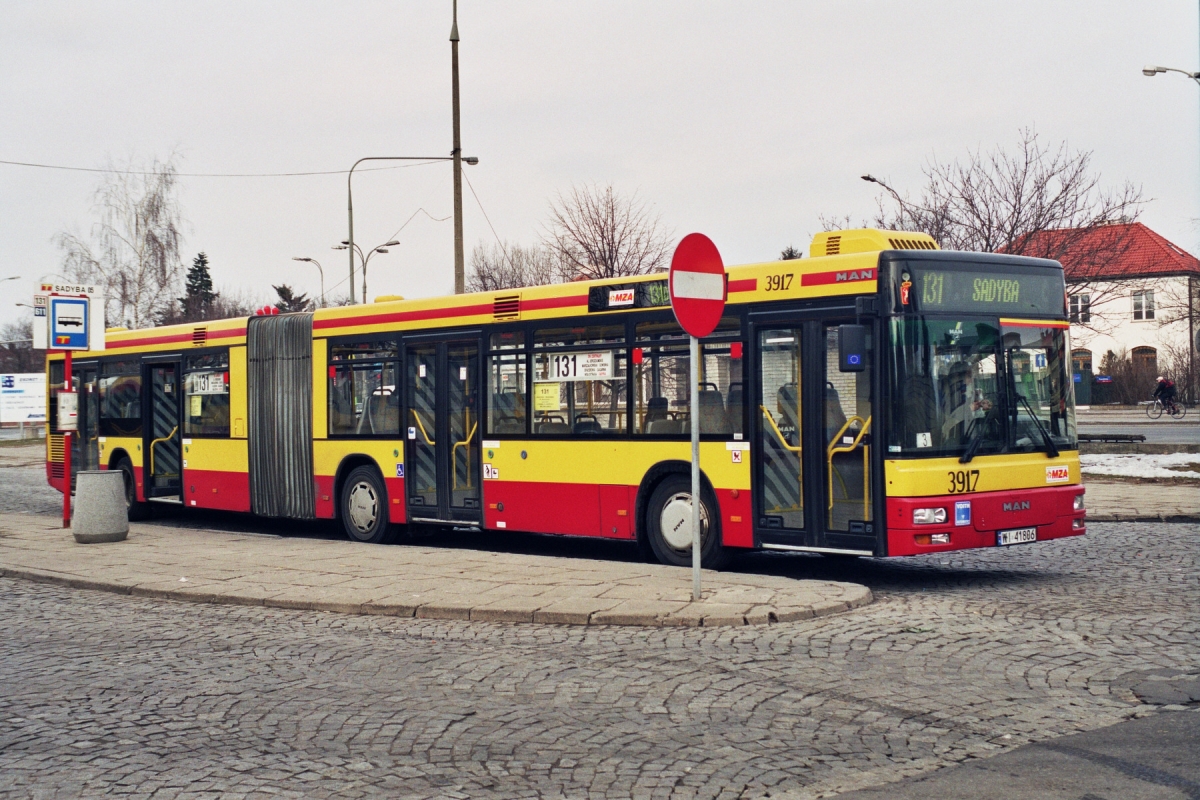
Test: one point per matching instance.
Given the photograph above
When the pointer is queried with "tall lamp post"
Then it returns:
(318, 263)
(350, 202)
(460, 280)
(1150, 72)
(363, 259)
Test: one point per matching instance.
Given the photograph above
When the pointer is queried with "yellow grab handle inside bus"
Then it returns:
(835, 448)
(154, 443)
(795, 448)
(421, 425)
(453, 451)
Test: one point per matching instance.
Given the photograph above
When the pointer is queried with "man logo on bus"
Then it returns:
(1020, 505)
(857, 275)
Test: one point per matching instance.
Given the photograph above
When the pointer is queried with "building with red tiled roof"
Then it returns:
(1133, 297)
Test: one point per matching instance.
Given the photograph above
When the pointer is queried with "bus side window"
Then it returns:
(206, 394)
(579, 381)
(506, 393)
(364, 399)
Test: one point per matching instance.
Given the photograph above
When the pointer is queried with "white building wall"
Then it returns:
(1113, 327)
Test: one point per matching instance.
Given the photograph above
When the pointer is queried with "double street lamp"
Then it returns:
(363, 259)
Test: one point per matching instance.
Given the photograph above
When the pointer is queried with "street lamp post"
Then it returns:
(1150, 72)
(460, 281)
(350, 201)
(318, 263)
(363, 259)
(872, 179)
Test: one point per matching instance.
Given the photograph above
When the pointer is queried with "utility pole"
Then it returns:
(460, 280)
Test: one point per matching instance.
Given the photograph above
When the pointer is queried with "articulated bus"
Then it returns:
(563, 409)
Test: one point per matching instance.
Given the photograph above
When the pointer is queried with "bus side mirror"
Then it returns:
(852, 348)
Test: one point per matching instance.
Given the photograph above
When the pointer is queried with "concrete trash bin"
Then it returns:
(100, 512)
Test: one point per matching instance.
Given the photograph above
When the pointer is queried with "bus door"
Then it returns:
(162, 457)
(846, 421)
(442, 431)
(811, 435)
(85, 445)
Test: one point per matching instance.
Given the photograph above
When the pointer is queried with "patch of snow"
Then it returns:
(1142, 465)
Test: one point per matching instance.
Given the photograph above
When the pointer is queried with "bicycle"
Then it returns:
(1173, 409)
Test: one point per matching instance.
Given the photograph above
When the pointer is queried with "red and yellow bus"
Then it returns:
(879, 398)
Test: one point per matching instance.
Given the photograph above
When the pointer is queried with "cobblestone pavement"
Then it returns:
(961, 656)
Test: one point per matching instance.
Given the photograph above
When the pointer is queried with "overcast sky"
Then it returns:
(746, 121)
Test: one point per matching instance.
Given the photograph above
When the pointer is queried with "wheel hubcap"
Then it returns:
(675, 521)
(363, 507)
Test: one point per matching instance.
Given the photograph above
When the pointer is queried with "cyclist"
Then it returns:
(1165, 391)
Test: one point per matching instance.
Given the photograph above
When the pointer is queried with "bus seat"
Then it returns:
(712, 412)
(656, 408)
(787, 407)
(553, 427)
(733, 408)
(665, 426)
(508, 425)
(587, 424)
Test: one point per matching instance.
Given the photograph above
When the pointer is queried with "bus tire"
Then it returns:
(670, 535)
(137, 510)
(364, 507)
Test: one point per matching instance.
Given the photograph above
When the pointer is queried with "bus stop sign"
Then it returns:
(698, 286)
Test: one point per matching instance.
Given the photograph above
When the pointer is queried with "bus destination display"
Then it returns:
(961, 290)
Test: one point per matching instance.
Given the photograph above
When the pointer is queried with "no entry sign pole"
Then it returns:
(697, 281)
(694, 369)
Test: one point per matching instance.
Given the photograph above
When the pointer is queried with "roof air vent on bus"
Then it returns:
(199, 337)
(833, 245)
(507, 307)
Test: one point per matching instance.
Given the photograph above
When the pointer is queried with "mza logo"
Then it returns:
(620, 297)
(1019, 505)
(1058, 474)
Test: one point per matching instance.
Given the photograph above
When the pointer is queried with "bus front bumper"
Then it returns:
(983, 519)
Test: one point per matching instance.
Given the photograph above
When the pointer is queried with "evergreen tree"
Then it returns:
(197, 303)
(789, 253)
(289, 301)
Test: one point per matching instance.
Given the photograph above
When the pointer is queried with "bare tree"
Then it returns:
(594, 232)
(16, 348)
(511, 266)
(1033, 201)
(134, 250)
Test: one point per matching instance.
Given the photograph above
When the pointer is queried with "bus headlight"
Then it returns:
(1079, 502)
(929, 516)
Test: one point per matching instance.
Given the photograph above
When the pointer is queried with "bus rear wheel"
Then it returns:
(136, 510)
(669, 525)
(364, 507)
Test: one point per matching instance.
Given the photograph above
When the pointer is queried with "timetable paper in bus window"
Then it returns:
(545, 397)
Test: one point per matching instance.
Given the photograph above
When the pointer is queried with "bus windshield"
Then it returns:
(973, 386)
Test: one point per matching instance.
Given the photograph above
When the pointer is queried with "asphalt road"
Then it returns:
(1161, 431)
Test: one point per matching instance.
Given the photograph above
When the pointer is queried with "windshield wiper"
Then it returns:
(1051, 449)
(973, 445)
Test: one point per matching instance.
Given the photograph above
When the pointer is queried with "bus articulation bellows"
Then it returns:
(564, 409)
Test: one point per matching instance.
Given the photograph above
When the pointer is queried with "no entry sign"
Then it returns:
(698, 286)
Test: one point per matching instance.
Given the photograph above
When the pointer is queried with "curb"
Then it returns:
(681, 615)
(1143, 518)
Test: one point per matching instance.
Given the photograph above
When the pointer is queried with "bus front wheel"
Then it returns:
(669, 525)
(137, 510)
(364, 507)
